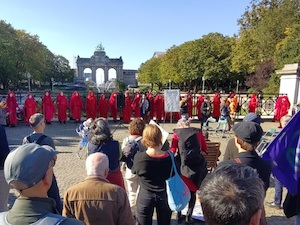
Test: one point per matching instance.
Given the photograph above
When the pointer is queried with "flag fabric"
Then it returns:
(284, 152)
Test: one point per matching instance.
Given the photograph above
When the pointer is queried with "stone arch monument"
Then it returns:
(99, 60)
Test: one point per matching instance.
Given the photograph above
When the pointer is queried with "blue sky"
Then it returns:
(133, 29)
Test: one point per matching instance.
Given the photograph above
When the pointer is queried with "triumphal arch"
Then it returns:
(100, 61)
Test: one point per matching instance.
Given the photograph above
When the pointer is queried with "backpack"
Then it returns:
(189, 146)
(49, 219)
(129, 151)
(38, 141)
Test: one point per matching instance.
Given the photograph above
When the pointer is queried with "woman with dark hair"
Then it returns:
(101, 140)
(153, 168)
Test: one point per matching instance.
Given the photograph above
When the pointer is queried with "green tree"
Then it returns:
(149, 72)
(8, 54)
(262, 27)
(288, 50)
(61, 70)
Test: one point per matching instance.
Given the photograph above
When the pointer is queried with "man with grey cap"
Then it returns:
(247, 137)
(37, 122)
(231, 150)
(29, 170)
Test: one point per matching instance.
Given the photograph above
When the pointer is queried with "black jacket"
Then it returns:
(252, 159)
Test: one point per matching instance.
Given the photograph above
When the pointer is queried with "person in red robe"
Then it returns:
(200, 100)
(189, 100)
(136, 105)
(127, 111)
(30, 107)
(282, 107)
(11, 104)
(113, 105)
(151, 102)
(216, 102)
(91, 105)
(158, 107)
(103, 106)
(62, 106)
(252, 103)
(48, 107)
(76, 106)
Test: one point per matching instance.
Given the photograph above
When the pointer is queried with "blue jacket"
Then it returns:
(4, 149)
(110, 148)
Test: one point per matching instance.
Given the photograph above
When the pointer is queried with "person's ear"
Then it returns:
(238, 142)
(106, 173)
(48, 177)
(255, 219)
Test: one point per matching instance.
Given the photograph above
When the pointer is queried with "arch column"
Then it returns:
(94, 69)
(120, 73)
(105, 74)
(80, 72)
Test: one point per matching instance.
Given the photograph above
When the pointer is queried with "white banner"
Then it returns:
(172, 100)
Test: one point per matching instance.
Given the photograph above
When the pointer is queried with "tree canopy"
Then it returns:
(268, 38)
(22, 53)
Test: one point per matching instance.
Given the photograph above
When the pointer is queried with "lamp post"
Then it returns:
(237, 86)
(203, 83)
(28, 77)
(170, 84)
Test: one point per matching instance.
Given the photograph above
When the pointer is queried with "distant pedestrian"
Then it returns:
(30, 107)
(62, 106)
(76, 106)
(48, 107)
(91, 105)
(12, 105)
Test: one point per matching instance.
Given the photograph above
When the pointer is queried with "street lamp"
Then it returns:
(28, 77)
(203, 83)
(170, 84)
(237, 86)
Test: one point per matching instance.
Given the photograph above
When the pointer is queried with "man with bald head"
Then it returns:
(95, 200)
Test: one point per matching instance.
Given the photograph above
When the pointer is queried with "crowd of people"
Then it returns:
(121, 105)
(232, 194)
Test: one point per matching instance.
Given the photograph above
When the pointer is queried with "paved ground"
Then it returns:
(70, 170)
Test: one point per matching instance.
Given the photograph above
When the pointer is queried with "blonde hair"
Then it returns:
(152, 136)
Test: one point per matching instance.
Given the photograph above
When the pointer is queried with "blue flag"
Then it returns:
(284, 152)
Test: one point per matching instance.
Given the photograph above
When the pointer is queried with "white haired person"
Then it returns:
(96, 201)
